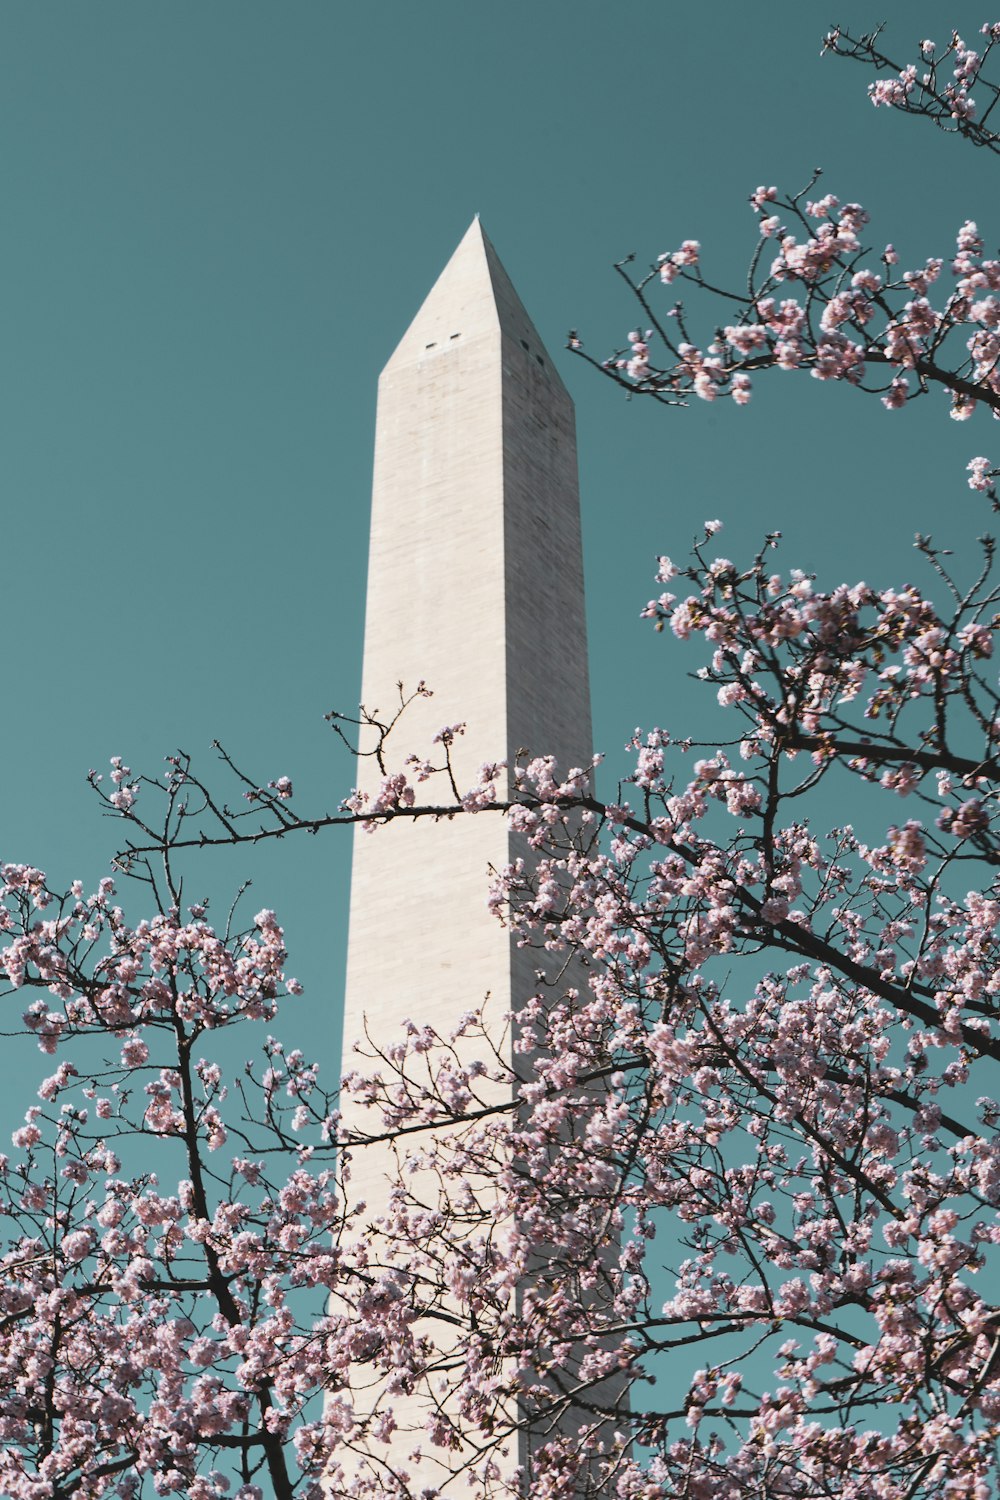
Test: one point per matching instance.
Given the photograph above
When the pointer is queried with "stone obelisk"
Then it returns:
(475, 587)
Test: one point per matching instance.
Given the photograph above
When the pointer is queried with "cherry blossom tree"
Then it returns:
(751, 1174)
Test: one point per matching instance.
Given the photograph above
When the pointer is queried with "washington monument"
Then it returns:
(475, 587)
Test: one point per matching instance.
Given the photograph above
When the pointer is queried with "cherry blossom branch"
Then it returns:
(921, 88)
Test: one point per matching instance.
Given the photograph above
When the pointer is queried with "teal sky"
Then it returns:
(218, 220)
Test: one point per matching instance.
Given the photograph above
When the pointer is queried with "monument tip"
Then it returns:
(472, 296)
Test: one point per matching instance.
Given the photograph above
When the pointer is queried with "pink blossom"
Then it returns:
(78, 1245)
(981, 474)
(134, 1053)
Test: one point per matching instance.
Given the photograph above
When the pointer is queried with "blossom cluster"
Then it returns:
(938, 86)
(148, 1332)
(820, 304)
